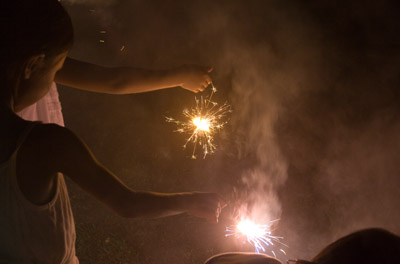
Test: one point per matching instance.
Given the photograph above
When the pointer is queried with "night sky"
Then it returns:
(314, 137)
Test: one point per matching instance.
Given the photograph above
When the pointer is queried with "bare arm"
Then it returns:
(127, 80)
(60, 150)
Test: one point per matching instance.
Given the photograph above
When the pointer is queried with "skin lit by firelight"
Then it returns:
(202, 122)
(258, 235)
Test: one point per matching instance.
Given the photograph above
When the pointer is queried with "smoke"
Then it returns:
(314, 90)
(256, 111)
(340, 135)
(266, 67)
(315, 99)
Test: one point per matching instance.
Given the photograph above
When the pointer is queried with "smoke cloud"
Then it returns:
(255, 114)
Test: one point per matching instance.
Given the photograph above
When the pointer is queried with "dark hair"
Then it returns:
(368, 246)
(28, 28)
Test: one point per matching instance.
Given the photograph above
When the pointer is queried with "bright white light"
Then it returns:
(251, 230)
(202, 124)
(260, 236)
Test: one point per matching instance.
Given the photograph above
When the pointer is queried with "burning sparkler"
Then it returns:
(259, 236)
(204, 120)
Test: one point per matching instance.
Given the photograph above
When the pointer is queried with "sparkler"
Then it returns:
(259, 236)
(202, 122)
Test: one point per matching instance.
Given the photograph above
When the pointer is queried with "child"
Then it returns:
(36, 222)
(118, 80)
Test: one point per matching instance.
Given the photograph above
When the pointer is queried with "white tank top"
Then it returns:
(32, 233)
(47, 109)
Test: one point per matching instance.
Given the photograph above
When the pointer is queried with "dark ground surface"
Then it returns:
(316, 82)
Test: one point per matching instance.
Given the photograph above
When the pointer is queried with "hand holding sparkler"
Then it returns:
(204, 205)
(193, 78)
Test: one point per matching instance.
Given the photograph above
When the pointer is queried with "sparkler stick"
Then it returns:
(259, 236)
(202, 122)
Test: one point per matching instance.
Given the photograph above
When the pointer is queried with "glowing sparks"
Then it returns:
(202, 122)
(259, 236)
(250, 229)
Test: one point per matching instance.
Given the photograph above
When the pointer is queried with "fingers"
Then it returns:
(196, 78)
(207, 81)
(206, 74)
(222, 202)
(206, 69)
(216, 208)
(208, 206)
(221, 205)
(200, 88)
(212, 214)
(217, 213)
(203, 86)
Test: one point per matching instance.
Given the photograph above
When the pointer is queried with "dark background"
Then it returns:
(313, 139)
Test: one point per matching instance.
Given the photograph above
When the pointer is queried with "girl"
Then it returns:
(36, 223)
(118, 80)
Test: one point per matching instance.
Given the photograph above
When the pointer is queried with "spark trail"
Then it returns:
(202, 122)
(258, 235)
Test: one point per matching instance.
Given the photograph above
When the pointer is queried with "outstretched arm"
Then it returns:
(127, 80)
(60, 150)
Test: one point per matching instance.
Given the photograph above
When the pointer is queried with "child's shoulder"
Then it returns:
(41, 152)
(19, 135)
(46, 141)
(49, 146)
(51, 135)
(50, 131)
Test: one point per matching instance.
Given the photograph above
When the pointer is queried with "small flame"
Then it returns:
(250, 229)
(202, 124)
(258, 235)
